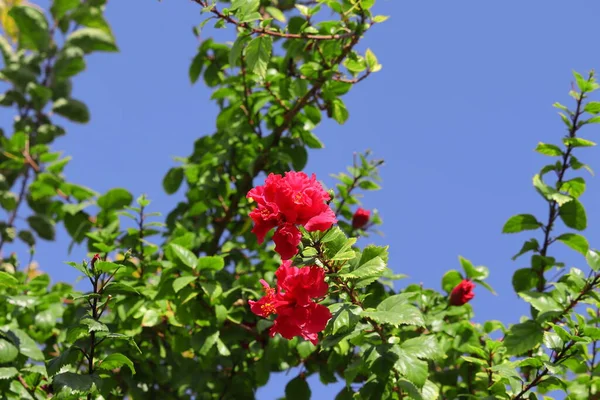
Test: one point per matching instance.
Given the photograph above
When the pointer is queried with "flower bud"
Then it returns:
(360, 218)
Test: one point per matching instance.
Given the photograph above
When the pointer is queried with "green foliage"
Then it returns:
(166, 313)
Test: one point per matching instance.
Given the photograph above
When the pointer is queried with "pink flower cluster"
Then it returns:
(285, 202)
(292, 301)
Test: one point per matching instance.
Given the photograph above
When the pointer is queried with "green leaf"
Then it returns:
(93, 325)
(68, 357)
(366, 272)
(573, 215)
(276, 14)
(593, 259)
(173, 180)
(553, 341)
(151, 318)
(371, 60)
(344, 318)
(106, 266)
(72, 383)
(8, 372)
(380, 18)
(396, 310)
(43, 226)
(530, 245)
(297, 389)
(450, 280)
(575, 241)
(184, 255)
(8, 351)
(523, 337)
(548, 149)
(524, 279)
(520, 223)
(411, 367)
(593, 107)
(115, 199)
(425, 347)
(70, 62)
(575, 187)
(27, 346)
(238, 48)
(196, 67)
(543, 302)
(215, 263)
(182, 282)
(116, 360)
(32, 26)
(92, 39)
(7, 279)
(311, 140)
(73, 110)
(339, 111)
(258, 54)
(578, 142)
(548, 192)
(120, 288)
(369, 185)
(61, 7)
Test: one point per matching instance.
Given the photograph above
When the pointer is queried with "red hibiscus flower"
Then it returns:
(286, 238)
(360, 218)
(462, 293)
(284, 202)
(297, 314)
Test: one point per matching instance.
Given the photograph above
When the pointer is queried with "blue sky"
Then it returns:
(463, 98)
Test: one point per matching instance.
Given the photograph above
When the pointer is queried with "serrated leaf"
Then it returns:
(258, 54)
(93, 325)
(72, 383)
(116, 360)
(575, 187)
(8, 373)
(520, 223)
(553, 341)
(550, 193)
(67, 357)
(92, 39)
(523, 337)
(425, 347)
(396, 310)
(411, 367)
(543, 302)
(575, 241)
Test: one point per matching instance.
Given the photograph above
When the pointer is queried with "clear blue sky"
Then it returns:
(464, 96)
